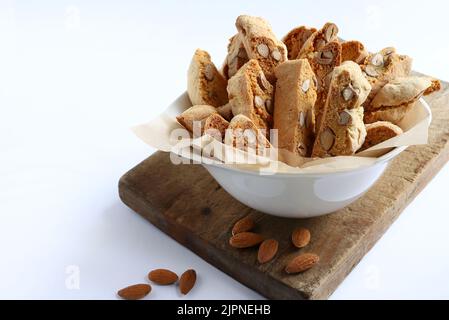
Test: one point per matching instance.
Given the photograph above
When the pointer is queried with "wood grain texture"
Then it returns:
(185, 202)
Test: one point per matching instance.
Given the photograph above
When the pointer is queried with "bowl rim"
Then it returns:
(381, 160)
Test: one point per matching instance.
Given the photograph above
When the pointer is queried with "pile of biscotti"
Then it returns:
(325, 97)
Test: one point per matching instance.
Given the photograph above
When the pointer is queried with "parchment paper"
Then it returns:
(159, 134)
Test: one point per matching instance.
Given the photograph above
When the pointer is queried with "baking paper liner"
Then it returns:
(162, 133)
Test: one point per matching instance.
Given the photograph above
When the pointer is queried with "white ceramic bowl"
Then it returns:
(301, 195)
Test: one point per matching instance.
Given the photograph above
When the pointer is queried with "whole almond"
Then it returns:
(187, 281)
(243, 225)
(135, 292)
(301, 237)
(245, 240)
(267, 250)
(163, 276)
(302, 263)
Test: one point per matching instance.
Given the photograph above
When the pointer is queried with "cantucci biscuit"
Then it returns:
(293, 109)
(261, 44)
(236, 57)
(243, 134)
(197, 114)
(318, 40)
(342, 131)
(397, 97)
(251, 95)
(353, 51)
(205, 85)
(382, 67)
(401, 91)
(295, 40)
(323, 63)
(215, 126)
(379, 132)
(226, 111)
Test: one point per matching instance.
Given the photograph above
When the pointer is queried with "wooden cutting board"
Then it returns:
(186, 203)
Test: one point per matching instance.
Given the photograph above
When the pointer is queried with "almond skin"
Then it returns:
(267, 250)
(243, 225)
(245, 240)
(163, 276)
(302, 263)
(135, 292)
(187, 281)
(301, 237)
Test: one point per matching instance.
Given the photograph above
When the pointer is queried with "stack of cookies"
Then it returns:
(323, 96)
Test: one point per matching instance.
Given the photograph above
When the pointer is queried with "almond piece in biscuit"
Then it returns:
(342, 131)
(295, 40)
(379, 132)
(261, 44)
(205, 85)
(195, 114)
(353, 51)
(251, 95)
(293, 110)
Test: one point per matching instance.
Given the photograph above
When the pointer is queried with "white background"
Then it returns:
(75, 75)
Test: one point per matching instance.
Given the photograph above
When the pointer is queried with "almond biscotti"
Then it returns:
(243, 134)
(397, 97)
(215, 126)
(205, 85)
(323, 63)
(342, 131)
(379, 132)
(236, 57)
(251, 95)
(196, 114)
(261, 44)
(382, 67)
(318, 40)
(226, 111)
(353, 51)
(295, 39)
(293, 110)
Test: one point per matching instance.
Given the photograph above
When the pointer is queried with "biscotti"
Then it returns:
(215, 126)
(293, 109)
(251, 95)
(393, 101)
(261, 44)
(353, 51)
(382, 67)
(315, 90)
(323, 63)
(196, 115)
(236, 57)
(226, 111)
(401, 91)
(342, 131)
(205, 85)
(379, 132)
(244, 135)
(295, 39)
(318, 40)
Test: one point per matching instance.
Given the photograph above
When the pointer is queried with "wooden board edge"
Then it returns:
(378, 229)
